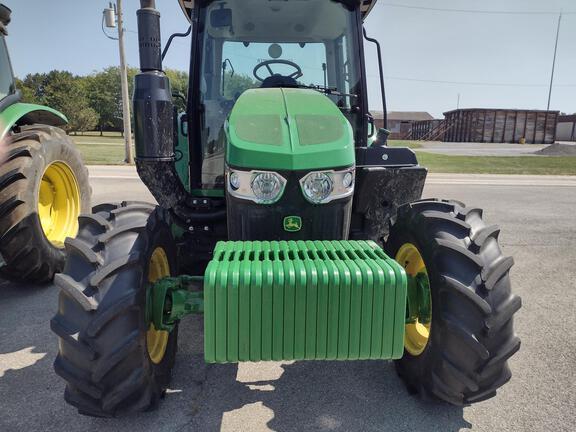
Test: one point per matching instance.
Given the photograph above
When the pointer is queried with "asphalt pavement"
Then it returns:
(537, 217)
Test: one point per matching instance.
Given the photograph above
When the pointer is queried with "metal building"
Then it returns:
(501, 126)
(566, 130)
(400, 122)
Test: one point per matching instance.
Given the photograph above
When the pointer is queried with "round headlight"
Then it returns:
(347, 180)
(317, 187)
(234, 180)
(267, 187)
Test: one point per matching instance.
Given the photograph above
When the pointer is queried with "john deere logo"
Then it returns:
(292, 223)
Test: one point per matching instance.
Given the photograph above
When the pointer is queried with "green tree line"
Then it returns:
(91, 102)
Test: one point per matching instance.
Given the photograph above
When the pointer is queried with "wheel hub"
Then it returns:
(59, 203)
(419, 304)
(157, 340)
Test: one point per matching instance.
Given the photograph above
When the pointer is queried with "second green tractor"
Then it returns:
(44, 184)
(284, 218)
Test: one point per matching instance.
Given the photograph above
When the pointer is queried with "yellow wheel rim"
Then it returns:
(157, 340)
(59, 203)
(416, 334)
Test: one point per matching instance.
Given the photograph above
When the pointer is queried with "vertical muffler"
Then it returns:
(154, 117)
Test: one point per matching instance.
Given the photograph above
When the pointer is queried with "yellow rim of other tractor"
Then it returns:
(157, 340)
(59, 203)
(416, 334)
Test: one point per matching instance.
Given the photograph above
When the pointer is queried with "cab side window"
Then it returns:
(6, 79)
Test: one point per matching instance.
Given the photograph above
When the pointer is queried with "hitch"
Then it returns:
(172, 298)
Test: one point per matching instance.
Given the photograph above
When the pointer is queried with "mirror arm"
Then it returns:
(175, 35)
(379, 50)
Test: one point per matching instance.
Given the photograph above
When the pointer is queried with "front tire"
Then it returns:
(44, 187)
(463, 358)
(112, 359)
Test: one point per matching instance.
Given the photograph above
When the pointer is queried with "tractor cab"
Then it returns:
(259, 45)
(277, 123)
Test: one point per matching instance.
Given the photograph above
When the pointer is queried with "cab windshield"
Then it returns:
(273, 43)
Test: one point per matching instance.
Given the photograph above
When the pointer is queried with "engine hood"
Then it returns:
(288, 129)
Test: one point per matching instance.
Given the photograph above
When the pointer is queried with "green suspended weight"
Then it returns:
(314, 300)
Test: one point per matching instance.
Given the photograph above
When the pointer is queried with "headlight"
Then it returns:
(321, 187)
(234, 180)
(317, 186)
(267, 186)
(262, 187)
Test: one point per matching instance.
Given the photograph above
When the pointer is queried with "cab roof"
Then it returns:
(365, 7)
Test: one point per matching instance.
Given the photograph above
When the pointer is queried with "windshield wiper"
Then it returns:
(327, 90)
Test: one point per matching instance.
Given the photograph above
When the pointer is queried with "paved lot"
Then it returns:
(537, 217)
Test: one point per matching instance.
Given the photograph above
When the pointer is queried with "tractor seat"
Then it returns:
(278, 80)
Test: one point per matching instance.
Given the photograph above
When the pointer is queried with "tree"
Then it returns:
(85, 120)
(67, 93)
(28, 95)
(94, 102)
(179, 84)
(235, 85)
(103, 91)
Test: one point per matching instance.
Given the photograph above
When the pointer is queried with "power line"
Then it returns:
(473, 83)
(473, 11)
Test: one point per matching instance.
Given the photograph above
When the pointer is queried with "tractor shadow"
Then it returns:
(315, 396)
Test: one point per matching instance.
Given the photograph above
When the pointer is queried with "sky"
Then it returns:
(491, 60)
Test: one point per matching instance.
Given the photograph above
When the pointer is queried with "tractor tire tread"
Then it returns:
(467, 360)
(112, 268)
(29, 151)
(120, 378)
(76, 291)
(83, 249)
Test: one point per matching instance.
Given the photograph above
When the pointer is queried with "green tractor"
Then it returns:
(43, 182)
(284, 218)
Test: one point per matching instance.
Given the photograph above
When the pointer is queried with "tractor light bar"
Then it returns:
(262, 187)
(321, 187)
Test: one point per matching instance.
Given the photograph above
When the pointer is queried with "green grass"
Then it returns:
(102, 154)
(109, 150)
(109, 138)
(533, 165)
(100, 150)
(402, 143)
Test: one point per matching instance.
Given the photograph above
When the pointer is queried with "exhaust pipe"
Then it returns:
(154, 117)
(154, 126)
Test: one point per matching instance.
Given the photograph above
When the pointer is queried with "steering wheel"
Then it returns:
(295, 75)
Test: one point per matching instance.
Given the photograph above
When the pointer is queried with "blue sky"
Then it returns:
(494, 50)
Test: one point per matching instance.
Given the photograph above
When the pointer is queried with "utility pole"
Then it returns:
(554, 61)
(109, 18)
(458, 102)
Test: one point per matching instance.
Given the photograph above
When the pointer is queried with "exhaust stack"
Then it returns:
(154, 117)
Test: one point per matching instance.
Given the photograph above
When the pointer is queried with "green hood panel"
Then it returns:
(29, 114)
(288, 129)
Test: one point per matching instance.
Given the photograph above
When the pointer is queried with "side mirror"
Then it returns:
(221, 18)
(382, 137)
(5, 13)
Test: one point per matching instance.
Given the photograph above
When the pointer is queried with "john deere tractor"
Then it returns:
(43, 183)
(284, 218)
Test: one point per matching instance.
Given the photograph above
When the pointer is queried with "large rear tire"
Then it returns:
(44, 187)
(114, 362)
(462, 357)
